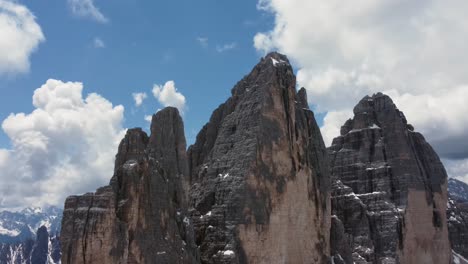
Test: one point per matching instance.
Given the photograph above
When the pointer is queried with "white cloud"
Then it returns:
(332, 123)
(203, 41)
(168, 95)
(415, 51)
(98, 43)
(148, 118)
(65, 146)
(20, 36)
(87, 9)
(139, 98)
(226, 47)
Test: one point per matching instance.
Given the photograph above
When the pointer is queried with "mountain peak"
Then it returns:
(375, 112)
(458, 190)
(398, 187)
(277, 59)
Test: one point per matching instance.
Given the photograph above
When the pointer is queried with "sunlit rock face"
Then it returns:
(259, 177)
(254, 188)
(389, 190)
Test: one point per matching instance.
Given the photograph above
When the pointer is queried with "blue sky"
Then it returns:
(69, 69)
(145, 43)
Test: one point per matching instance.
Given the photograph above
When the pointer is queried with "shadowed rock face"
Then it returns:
(389, 191)
(141, 216)
(259, 176)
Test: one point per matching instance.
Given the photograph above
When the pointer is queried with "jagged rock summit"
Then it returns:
(389, 192)
(259, 176)
(141, 216)
(254, 188)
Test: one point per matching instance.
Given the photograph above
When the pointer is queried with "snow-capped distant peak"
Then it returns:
(32, 210)
(21, 225)
(458, 190)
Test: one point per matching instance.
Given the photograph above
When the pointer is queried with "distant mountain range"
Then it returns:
(30, 236)
(458, 190)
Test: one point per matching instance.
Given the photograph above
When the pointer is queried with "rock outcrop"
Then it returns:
(389, 190)
(259, 176)
(255, 186)
(457, 216)
(141, 216)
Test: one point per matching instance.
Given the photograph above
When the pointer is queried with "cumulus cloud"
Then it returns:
(98, 43)
(412, 50)
(332, 123)
(226, 47)
(66, 145)
(148, 118)
(167, 95)
(139, 98)
(87, 9)
(20, 36)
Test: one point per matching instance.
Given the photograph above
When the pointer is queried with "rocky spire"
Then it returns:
(389, 191)
(258, 169)
(141, 216)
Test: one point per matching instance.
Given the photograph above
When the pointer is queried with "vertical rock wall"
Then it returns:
(396, 185)
(260, 182)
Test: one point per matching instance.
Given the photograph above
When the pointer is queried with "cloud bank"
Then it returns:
(412, 50)
(20, 35)
(65, 146)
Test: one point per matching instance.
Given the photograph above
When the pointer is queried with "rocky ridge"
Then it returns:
(257, 163)
(18, 226)
(390, 190)
(256, 187)
(457, 217)
(30, 236)
(141, 217)
(259, 177)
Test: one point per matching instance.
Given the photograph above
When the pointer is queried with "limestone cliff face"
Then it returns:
(389, 191)
(259, 176)
(141, 216)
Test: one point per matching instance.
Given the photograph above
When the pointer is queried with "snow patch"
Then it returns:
(224, 176)
(458, 259)
(276, 62)
(228, 253)
(7, 232)
(374, 126)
